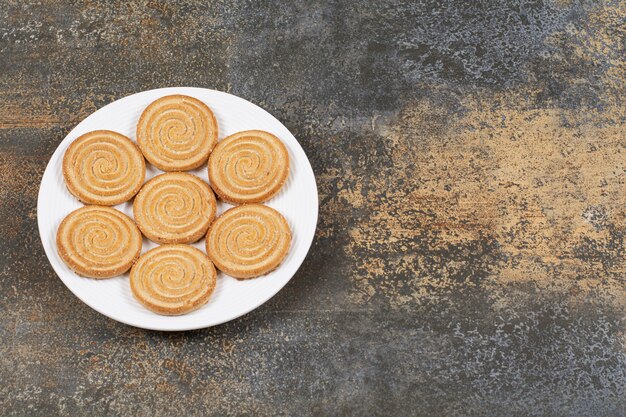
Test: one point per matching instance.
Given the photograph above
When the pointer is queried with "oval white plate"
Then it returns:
(232, 298)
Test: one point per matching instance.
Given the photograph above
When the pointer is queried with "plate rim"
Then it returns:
(48, 171)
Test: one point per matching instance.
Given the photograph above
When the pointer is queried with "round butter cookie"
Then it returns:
(103, 167)
(98, 242)
(173, 279)
(248, 241)
(177, 133)
(248, 167)
(175, 207)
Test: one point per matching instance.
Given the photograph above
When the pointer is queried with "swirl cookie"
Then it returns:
(248, 167)
(248, 240)
(177, 133)
(173, 279)
(98, 242)
(174, 208)
(103, 167)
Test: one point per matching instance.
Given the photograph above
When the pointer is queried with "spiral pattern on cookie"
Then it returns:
(103, 167)
(173, 279)
(174, 208)
(248, 167)
(98, 242)
(177, 133)
(248, 240)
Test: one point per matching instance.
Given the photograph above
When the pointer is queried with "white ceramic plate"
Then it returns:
(232, 298)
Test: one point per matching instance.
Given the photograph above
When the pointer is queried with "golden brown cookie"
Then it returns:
(174, 208)
(248, 167)
(173, 279)
(177, 133)
(248, 240)
(98, 242)
(103, 167)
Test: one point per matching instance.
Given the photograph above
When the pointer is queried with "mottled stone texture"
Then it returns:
(469, 257)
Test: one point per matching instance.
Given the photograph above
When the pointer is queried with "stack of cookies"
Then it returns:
(175, 133)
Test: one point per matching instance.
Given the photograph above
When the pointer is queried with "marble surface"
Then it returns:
(471, 166)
